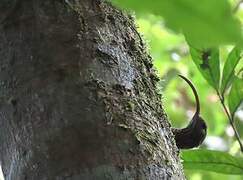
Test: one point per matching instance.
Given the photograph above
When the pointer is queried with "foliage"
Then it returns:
(207, 62)
(205, 19)
(204, 41)
(209, 160)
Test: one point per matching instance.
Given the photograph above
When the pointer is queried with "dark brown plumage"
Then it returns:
(196, 131)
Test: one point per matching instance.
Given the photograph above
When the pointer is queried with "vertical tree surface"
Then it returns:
(78, 97)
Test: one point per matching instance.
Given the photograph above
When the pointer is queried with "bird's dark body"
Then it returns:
(194, 134)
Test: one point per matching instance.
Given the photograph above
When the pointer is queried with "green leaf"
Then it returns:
(229, 68)
(215, 161)
(208, 23)
(236, 95)
(207, 61)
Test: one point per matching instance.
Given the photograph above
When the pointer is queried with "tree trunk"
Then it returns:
(78, 97)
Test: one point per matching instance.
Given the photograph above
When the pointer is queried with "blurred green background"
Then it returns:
(171, 57)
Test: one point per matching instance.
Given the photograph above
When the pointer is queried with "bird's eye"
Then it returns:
(204, 126)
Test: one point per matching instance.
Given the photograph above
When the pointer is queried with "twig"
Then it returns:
(237, 136)
(237, 6)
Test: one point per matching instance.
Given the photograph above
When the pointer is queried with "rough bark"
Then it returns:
(78, 96)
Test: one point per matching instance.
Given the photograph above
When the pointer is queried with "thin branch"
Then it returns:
(237, 136)
(237, 6)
